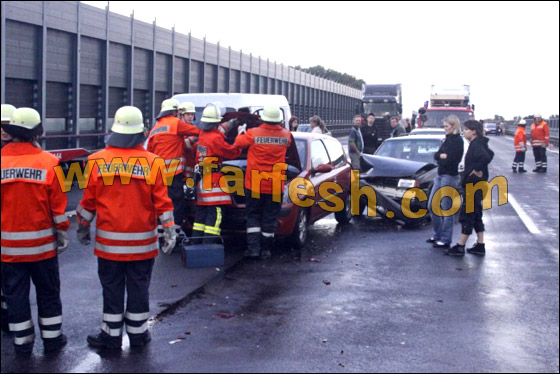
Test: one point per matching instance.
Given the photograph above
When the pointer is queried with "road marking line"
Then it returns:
(533, 229)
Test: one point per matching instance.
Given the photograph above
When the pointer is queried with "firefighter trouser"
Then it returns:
(540, 157)
(474, 219)
(115, 277)
(16, 284)
(262, 219)
(207, 223)
(177, 196)
(518, 161)
(4, 314)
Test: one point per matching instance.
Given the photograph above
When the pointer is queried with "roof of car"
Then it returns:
(233, 100)
(311, 135)
(418, 137)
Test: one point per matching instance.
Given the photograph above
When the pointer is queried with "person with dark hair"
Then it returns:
(355, 142)
(294, 123)
(33, 233)
(370, 135)
(477, 159)
(397, 129)
(317, 125)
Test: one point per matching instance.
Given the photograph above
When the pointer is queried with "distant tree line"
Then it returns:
(342, 78)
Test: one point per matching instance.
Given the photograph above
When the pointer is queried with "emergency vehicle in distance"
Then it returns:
(445, 102)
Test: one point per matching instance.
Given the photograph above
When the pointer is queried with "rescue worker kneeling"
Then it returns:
(126, 241)
(210, 199)
(267, 145)
(33, 233)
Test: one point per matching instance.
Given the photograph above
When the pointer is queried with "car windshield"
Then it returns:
(490, 125)
(413, 149)
(436, 117)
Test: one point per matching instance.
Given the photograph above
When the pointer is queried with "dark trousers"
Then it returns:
(16, 284)
(207, 223)
(4, 315)
(262, 219)
(474, 219)
(540, 157)
(177, 196)
(519, 161)
(134, 277)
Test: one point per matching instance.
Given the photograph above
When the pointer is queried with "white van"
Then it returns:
(235, 102)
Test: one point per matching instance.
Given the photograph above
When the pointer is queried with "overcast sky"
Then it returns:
(508, 52)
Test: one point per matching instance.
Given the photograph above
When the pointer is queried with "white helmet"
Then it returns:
(26, 118)
(522, 122)
(187, 107)
(537, 116)
(271, 114)
(169, 104)
(7, 111)
(128, 121)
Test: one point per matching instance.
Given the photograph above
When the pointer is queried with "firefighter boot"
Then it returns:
(266, 250)
(140, 341)
(253, 243)
(53, 345)
(103, 340)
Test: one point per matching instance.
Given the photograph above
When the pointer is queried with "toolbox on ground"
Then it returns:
(203, 255)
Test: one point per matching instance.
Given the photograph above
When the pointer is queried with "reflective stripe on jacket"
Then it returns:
(33, 204)
(213, 144)
(127, 214)
(166, 140)
(520, 140)
(267, 146)
(540, 134)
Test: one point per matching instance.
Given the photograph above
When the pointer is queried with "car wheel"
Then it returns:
(299, 236)
(345, 216)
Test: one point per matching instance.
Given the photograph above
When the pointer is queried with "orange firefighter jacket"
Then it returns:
(520, 139)
(167, 140)
(33, 204)
(267, 146)
(540, 134)
(127, 212)
(213, 144)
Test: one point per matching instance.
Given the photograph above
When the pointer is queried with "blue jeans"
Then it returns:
(443, 226)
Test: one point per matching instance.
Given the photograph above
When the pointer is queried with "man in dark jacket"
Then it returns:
(397, 129)
(370, 135)
(477, 159)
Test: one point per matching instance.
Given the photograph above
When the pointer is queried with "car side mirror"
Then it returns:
(323, 168)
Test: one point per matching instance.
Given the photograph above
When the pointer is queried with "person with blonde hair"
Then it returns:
(448, 158)
(317, 125)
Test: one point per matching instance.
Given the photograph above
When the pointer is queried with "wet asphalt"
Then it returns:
(368, 296)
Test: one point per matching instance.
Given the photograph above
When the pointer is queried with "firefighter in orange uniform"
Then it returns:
(167, 140)
(33, 233)
(126, 241)
(540, 137)
(210, 199)
(520, 144)
(7, 111)
(267, 145)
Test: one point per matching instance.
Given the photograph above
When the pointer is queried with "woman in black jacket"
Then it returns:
(477, 159)
(448, 158)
